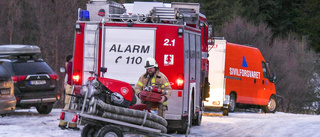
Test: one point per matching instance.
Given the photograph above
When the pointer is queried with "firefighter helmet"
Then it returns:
(150, 63)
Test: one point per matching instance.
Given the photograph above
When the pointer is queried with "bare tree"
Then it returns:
(46, 23)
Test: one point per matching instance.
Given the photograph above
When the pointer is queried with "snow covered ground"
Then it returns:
(28, 123)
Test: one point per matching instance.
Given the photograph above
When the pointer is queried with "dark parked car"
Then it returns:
(34, 81)
(7, 98)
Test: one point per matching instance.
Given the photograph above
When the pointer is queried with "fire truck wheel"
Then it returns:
(171, 131)
(271, 107)
(109, 131)
(89, 131)
(232, 103)
(197, 122)
(44, 109)
(184, 127)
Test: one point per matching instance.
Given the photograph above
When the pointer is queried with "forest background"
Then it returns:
(286, 32)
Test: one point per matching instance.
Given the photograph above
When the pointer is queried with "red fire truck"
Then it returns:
(120, 37)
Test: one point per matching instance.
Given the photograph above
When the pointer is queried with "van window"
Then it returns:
(265, 71)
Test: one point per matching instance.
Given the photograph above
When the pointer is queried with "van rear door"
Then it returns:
(217, 53)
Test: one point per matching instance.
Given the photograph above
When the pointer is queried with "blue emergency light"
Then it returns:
(84, 15)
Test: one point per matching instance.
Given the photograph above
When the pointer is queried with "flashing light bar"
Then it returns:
(84, 15)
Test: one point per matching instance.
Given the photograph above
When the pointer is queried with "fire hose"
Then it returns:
(138, 117)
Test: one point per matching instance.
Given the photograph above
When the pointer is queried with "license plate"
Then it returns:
(37, 82)
(5, 91)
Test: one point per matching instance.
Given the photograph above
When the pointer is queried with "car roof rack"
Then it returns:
(19, 50)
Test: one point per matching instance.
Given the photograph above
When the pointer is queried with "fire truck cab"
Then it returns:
(120, 37)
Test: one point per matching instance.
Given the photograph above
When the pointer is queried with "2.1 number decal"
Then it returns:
(167, 42)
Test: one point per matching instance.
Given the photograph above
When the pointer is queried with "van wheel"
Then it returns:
(232, 103)
(44, 109)
(271, 107)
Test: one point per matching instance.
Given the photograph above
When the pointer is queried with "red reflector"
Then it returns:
(77, 90)
(15, 78)
(54, 76)
(75, 118)
(179, 93)
(90, 78)
(62, 115)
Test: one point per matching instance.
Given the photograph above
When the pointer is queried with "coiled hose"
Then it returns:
(132, 116)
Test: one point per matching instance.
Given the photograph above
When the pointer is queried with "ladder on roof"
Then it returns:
(160, 14)
(174, 15)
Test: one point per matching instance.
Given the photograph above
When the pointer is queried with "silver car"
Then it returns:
(7, 98)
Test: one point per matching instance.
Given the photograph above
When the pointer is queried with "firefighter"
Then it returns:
(156, 84)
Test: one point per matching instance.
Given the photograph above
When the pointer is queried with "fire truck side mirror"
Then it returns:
(103, 69)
